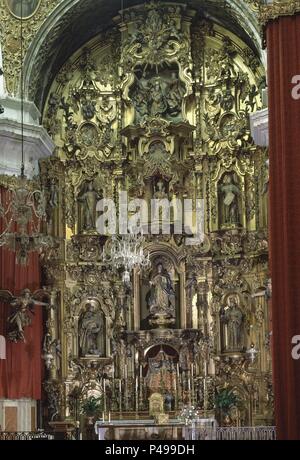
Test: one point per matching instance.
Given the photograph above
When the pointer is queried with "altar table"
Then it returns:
(148, 430)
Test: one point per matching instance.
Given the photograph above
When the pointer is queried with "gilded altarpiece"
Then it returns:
(159, 106)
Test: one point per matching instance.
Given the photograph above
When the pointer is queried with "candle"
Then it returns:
(109, 418)
(141, 371)
(177, 369)
(103, 417)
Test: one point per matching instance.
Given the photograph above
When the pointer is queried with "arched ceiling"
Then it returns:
(74, 22)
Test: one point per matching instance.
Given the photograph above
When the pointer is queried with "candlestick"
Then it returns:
(205, 369)
(136, 394)
(141, 391)
(126, 394)
(193, 384)
(205, 395)
(120, 396)
(104, 394)
(176, 394)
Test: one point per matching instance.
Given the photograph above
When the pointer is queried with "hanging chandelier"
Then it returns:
(22, 213)
(24, 206)
(126, 252)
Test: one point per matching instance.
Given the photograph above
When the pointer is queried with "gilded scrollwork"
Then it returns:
(11, 34)
(174, 128)
(278, 8)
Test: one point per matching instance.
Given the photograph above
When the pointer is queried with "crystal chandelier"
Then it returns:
(127, 252)
(24, 205)
(21, 215)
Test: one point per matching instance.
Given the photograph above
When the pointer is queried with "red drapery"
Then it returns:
(20, 373)
(283, 42)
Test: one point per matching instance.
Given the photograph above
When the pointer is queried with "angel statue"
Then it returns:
(23, 308)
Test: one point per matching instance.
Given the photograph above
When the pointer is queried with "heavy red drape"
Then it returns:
(20, 373)
(283, 43)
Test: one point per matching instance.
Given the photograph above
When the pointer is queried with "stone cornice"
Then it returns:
(277, 9)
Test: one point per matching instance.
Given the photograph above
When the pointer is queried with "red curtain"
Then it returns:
(283, 43)
(20, 373)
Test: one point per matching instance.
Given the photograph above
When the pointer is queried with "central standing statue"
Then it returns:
(161, 297)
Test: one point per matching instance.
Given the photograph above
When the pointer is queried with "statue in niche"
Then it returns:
(227, 100)
(175, 95)
(53, 199)
(88, 200)
(161, 297)
(233, 317)
(158, 101)
(92, 332)
(174, 185)
(140, 99)
(160, 194)
(160, 190)
(229, 202)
